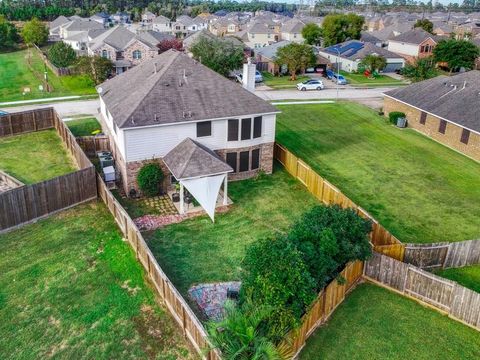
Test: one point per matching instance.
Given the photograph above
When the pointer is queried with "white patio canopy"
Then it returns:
(201, 171)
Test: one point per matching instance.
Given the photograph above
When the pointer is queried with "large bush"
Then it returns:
(328, 238)
(149, 179)
(276, 276)
(61, 55)
(35, 32)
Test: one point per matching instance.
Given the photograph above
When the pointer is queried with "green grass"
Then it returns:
(281, 82)
(198, 251)
(15, 75)
(83, 127)
(34, 157)
(419, 190)
(468, 276)
(71, 288)
(374, 323)
(361, 79)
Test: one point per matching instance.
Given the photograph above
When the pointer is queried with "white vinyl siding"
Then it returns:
(157, 141)
(403, 48)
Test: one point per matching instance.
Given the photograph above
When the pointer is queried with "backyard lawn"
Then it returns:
(198, 251)
(71, 288)
(374, 323)
(420, 190)
(281, 82)
(468, 276)
(16, 75)
(380, 80)
(34, 157)
(83, 127)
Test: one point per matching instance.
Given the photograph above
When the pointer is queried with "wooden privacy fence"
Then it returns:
(329, 194)
(443, 255)
(91, 144)
(31, 202)
(447, 296)
(176, 304)
(56, 70)
(325, 304)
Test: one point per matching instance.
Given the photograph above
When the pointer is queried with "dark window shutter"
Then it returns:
(442, 127)
(204, 128)
(423, 118)
(257, 127)
(233, 130)
(255, 159)
(465, 136)
(244, 155)
(246, 129)
(232, 160)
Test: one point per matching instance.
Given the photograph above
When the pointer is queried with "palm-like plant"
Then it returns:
(241, 334)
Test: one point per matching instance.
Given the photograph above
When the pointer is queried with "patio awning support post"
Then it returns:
(225, 187)
(182, 210)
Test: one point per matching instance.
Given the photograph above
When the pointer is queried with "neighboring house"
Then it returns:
(192, 38)
(292, 30)
(75, 33)
(185, 25)
(102, 18)
(436, 108)
(148, 17)
(54, 27)
(222, 27)
(260, 35)
(162, 24)
(125, 48)
(413, 44)
(368, 37)
(152, 109)
(120, 18)
(350, 53)
(266, 57)
(443, 29)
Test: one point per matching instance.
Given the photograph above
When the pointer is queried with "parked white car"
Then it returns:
(311, 84)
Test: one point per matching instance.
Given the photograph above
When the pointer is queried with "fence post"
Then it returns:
(10, 124)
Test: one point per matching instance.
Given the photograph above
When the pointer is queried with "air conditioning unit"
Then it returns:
(104, 154)
(109, 173)
(402, 122)
(106, 161)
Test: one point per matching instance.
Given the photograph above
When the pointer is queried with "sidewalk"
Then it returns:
(33, 101)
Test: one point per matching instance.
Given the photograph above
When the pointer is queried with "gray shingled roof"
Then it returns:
(58, 21)
(270, 51)
(455, 98)
(415, 36)
(190, 159)
(179, 90)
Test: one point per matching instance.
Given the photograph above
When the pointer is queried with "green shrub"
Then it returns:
(61, 55)
(276, 276)
(149, 179)
(395, 115)
(328, 238)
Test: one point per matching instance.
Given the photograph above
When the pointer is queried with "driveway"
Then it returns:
(64, 109)
(344, 93)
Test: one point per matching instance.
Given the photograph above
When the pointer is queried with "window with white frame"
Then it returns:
(137, 54)
(105, 54)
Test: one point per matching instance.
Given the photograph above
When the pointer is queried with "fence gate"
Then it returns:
(426, 256)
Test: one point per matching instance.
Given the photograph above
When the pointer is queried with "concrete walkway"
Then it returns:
(34, 101)
(303, 102)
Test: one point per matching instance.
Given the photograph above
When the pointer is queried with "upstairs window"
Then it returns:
(137, 54)
(257, 127)
(232, 130)
(105, 54)
(442, 127)
(246, 129)
(465, 136)
(204, 128)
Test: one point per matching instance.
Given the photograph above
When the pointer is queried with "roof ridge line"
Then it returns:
(189, 156)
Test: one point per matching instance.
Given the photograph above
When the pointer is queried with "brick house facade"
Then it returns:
(441, 130)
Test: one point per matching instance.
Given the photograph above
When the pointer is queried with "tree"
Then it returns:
(275, 275)
(328, 237)
(425, 24)
(456, 53)
(337, 28)
(219, 55)
(35, 32)
(167, 44)
(62, 55)
(374, 63)
(8, 34)
(296, 56)
(98, 68)
(422, 69)
(241, 334)
(312, 33)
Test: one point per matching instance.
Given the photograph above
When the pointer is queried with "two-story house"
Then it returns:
(125, 48)
(292, 30)
(413, 44)
(152, 109)
(162, 24)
